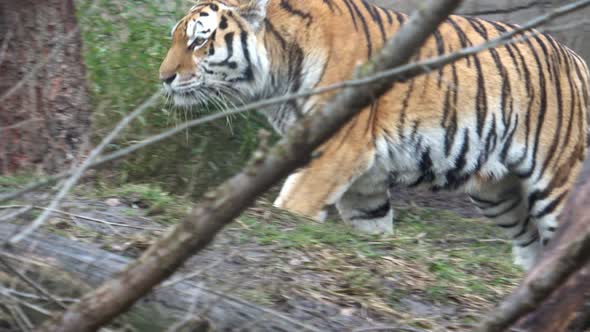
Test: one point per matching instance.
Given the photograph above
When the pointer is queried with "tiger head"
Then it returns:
(215, 52)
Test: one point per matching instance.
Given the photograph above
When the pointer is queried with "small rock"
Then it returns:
(348, 311)
(113, 202)
(59, 223)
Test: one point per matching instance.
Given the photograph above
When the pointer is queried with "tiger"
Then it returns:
(507, 126)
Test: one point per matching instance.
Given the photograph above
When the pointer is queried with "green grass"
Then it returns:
(124, 44)
(443, 257)
(159, 204)
(17, 180)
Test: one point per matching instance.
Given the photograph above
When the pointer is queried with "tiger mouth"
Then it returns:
(199, 95)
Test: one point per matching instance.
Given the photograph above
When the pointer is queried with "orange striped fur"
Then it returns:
(508, 125)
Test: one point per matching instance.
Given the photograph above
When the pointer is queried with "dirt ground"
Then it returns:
(457, 202)
(423, 279)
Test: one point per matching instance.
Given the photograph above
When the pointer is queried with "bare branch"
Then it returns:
(222, 205)
(79, 171)
(30, 282)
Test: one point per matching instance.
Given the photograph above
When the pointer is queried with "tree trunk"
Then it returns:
(44, 103)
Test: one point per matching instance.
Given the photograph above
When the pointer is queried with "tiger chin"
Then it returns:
(507, 126)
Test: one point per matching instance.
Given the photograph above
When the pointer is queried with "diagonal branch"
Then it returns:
(220, 206)
(568, 254)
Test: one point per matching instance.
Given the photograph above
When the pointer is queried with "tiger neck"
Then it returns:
(292, 69)
(308, 45)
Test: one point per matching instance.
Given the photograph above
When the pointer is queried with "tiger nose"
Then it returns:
(167, 79)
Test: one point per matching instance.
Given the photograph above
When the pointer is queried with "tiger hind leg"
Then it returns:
(505, 203)
(366, 205)
(546, 204)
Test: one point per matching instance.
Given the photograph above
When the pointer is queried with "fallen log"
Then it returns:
(165, 307)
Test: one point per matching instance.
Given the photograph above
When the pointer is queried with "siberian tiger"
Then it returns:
(508, 125)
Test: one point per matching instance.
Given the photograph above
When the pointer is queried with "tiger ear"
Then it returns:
(253, 11)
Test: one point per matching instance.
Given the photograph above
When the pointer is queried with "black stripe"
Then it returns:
(270, 27)
(481, 97)
(399, 17)
(556, 138)
(365, 28)
(573, 98)
(376, 18)
(542, 111)
(451, 128)
(223, 23)
(524, 228)
(511, 225)
(426, 169)
(378, 212)
(229, 40)
(551, 206)
(440, 48)
(531, 241)
(454, 178)
(351, 12)
(506, 90)
(501, 29)
(491, 140)
(509, 208)
(387, 14)
(331, 5)
(303, 15)
(508, 141)
(403, 113)
(539, 40)
(248, 73)
(465, 42)
(531, 97)
(478, 27)
(481, 201)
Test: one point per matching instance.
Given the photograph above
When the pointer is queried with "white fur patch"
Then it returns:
(203, 28)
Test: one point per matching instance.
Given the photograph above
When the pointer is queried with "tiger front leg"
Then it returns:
(324, 182)
(366, 206)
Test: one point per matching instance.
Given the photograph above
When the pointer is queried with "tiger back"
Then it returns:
(507, 125)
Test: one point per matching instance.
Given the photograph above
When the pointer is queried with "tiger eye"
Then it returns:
(199, 41)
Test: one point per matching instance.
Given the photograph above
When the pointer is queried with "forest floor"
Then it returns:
(441, 269)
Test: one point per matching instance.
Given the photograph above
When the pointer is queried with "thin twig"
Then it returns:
(20, 124)
(15, 293)
(11, 308)
(109, 223)
(29, 305)
(31, 283)
(79, 171)
(4, 47)
(25, 319)
(22, 209)
(266, 311)
(196, 273)
(390, 328)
